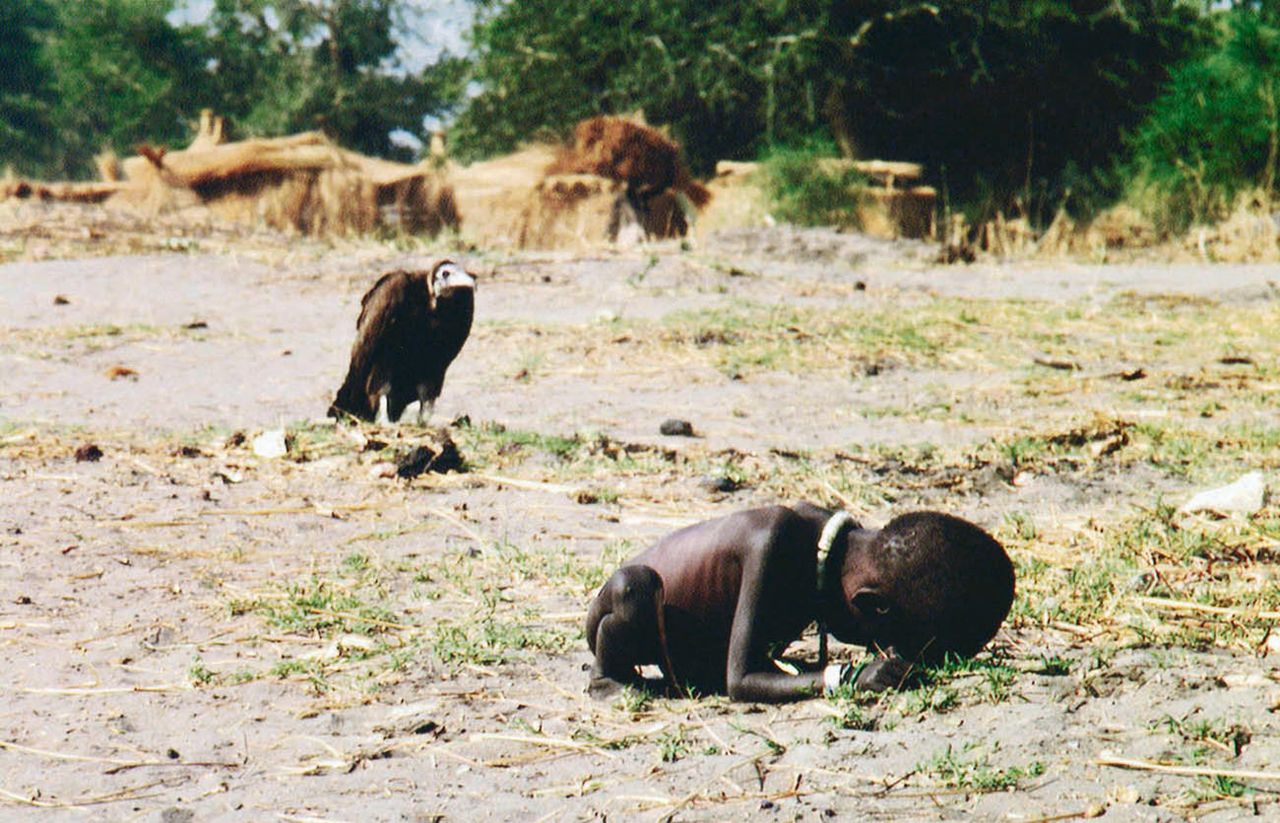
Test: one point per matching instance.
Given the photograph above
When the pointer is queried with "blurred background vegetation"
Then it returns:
(1020, 107)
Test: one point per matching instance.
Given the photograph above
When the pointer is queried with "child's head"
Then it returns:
(927, 584)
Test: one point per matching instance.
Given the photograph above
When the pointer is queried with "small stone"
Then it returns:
(718, 483)
(676, 428)
(356, 643)
(88, 453)
(1124, 794)
(270, 444)
(1245, 496)
(60, 300)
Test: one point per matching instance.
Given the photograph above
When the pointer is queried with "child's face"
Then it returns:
(866, 612)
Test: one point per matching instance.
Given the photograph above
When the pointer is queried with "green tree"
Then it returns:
(280, 66)
(1005, 101)
(1002, 100)
(727, 76)
(1215, 131)
(123, 74)
(25, 86)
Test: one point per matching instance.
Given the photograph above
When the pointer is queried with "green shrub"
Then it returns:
(807, 185)
(1215, 130)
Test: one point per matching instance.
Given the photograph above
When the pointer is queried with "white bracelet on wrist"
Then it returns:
(831, 677)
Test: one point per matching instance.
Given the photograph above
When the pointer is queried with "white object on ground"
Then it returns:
(1244, 496)
(270, 444)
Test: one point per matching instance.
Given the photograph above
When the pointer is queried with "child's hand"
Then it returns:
(875, 675)
(882, 673)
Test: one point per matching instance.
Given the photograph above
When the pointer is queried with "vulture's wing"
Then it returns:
(382, 310)
(376, 293)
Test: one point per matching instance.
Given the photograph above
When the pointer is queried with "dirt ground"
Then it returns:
(191, 632)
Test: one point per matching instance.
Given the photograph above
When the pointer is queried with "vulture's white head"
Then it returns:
(449, 276)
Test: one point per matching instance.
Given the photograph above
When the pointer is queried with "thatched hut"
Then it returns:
(618, 180)
(304, 183)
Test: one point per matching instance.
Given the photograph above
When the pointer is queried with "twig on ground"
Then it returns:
(131, 793)
(551, 742)
(1203, 608)
(1192, 771)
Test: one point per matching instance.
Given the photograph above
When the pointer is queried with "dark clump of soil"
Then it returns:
(439, 457)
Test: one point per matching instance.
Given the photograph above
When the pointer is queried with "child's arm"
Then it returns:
(774, 600)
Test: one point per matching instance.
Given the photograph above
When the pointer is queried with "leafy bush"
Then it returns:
(805, 190)
(1215, 131)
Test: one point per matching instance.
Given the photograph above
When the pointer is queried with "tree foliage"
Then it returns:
(281, 66)
(78, 75)
(1215, 130)
(25, 92)
(1005, 98)
(122, 75)
(726, 76)
(1004, 101)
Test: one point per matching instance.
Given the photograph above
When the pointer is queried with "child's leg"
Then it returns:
(624, 629)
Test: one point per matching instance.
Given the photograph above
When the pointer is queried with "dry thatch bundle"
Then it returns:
(617, 180)
(495, 196)
(644, 158)
(738, 198)
(1249, 233)
(94, 192)
(1120, 227)
(303, 182)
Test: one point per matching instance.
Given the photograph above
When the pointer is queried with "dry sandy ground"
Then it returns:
(150, 670)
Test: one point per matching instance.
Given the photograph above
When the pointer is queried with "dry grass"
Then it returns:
(1118, 407)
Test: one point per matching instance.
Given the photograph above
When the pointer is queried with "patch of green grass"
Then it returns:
(931, 698)
(1231, 737)
(312, 670)
(955, 770)
(490, 638)
(850, 711)
(1217, 787)
(318, 607)
(199, 673)
(1054, 666)
(673, 745)
(633, 701)
(495, 437)
(749, 339)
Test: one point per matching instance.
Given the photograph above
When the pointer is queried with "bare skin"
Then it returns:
(709, 602)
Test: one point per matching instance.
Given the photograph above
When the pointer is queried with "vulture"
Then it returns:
(412, 325)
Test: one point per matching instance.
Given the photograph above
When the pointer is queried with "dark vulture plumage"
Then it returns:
(412, 325)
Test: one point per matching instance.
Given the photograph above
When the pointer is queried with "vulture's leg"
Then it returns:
(426, 405)
(381, 418)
